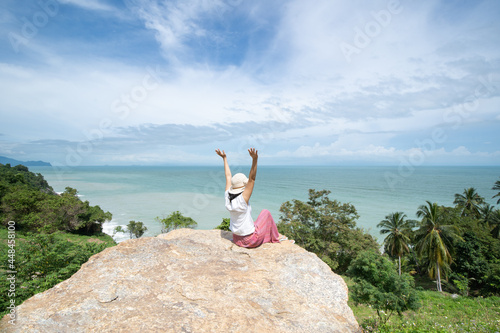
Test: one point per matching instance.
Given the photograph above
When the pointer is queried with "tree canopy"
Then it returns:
(134, 229)
(27, 199)
(434, 240)
(461, 243)
(398, 230)
(44, 260)
(176, 221)
(470, 202)
(496, 187)
(326, 227)
(379, 285)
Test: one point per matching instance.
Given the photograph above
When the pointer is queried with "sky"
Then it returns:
(306, 82)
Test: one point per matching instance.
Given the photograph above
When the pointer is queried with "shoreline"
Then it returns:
(142, 193)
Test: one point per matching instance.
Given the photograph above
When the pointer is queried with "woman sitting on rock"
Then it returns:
(239, 188)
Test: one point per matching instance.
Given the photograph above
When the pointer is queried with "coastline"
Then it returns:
(141, 193)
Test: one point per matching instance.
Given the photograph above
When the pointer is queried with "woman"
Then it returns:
(239, 188)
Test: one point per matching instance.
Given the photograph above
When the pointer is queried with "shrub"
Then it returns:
(224, 224)
(378, 284)
(42, 261)
(176, 221)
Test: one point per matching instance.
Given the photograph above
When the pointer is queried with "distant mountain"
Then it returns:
(13, 162)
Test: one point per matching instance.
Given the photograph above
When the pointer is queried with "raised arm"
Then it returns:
(247, 193)
(227, 170)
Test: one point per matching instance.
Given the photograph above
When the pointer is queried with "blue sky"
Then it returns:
(320, 82)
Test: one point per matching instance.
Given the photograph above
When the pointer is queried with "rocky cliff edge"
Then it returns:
(193, 281)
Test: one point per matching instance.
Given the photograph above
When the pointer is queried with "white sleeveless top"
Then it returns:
(241, 215)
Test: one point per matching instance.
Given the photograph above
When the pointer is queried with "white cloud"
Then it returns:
(289, 81)
(89, 4)
(338, 151)
(461, 151)
(176, 22)
(69, 98)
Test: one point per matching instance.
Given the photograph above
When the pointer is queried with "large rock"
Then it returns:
(193, 281)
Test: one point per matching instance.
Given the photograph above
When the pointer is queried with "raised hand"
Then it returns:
(253, 153)
(220, 153)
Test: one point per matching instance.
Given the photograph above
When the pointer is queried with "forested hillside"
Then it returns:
(45, 237)
(27, 199)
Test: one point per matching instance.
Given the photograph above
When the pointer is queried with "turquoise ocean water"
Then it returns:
(143, 193)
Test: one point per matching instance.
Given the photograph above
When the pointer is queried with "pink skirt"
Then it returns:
(265, 232)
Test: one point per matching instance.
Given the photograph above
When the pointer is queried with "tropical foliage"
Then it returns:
(496, 187)
(459, 247)
(176, 221)
(224, 225)
(43, 234)
(470, 202)
(28, 200)
(377, 284)
(44, 260)
(493, 223)
(398, 230)
(434, 241)
(135, 229)
(439, 313)
(326, 227)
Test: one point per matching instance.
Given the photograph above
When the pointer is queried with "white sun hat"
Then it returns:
(238, 183)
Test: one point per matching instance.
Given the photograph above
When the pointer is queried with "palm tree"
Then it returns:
(469, 201)
(491, 218)
(397, 239)
(487, 213)
(496, 187)
(434, 240)
(494, 223)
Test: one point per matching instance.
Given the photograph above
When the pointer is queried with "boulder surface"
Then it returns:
(193, 281)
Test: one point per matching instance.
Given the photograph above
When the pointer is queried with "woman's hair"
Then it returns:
(232, 196)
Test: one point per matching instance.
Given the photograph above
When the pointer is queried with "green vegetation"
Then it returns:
(434, 241)
(44, 237)
(459, 242)
(457, 246)
(135, 229)
(325, 227)
(176, 221)
(496, 187)
(379, 285)
(27, 199)
(454, 250)
(439, 312)
(224, 224)
(43, 260)
(469, 202)
(398, 230)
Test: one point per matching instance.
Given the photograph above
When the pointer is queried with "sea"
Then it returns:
(149, 193)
